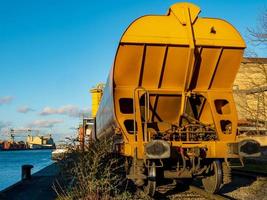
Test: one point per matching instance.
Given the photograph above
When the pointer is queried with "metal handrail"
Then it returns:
(136, 91)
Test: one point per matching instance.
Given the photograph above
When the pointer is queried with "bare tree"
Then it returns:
(258, 35)
(251, 83)
(251, 89)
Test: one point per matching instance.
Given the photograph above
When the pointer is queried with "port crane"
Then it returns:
(13, 132)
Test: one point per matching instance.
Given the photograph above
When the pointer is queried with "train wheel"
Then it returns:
(213, 181)
(150, 187)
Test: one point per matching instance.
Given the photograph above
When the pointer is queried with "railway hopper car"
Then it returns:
(168, 100)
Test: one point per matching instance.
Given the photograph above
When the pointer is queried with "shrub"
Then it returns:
(95, 174)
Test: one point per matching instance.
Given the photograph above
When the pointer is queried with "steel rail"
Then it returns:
(207, 195)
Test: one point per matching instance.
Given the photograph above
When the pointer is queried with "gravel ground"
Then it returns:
(187, 196)
(176, 191)
(247, 189)
(241, 188)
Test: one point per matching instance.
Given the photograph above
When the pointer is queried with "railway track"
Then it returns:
(207, 195)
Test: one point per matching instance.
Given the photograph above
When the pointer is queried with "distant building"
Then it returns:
(11, 145)
(85, 132)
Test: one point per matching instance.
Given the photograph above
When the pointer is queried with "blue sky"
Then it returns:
(53, 51)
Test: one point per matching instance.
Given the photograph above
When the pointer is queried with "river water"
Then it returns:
(11, 162)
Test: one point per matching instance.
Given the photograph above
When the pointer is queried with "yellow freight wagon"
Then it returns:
(169, 99)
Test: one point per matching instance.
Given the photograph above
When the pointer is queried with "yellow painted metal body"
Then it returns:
(171, 58)
(96, 93)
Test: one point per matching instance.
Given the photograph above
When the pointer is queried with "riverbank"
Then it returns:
(11, 162)
(38, 188)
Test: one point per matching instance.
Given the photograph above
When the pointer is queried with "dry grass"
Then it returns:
(95, 174)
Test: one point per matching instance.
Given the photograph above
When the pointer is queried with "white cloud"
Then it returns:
(6, 100)
(69, 110)
(49, 123)
(24, 109)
